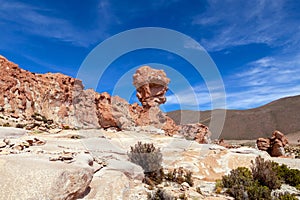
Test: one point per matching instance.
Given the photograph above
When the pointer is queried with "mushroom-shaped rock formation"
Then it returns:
(152, 85)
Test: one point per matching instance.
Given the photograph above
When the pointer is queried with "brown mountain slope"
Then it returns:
(282, 115)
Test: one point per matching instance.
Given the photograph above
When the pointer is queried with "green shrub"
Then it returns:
(257, 191)
(264, 173)
(238, 192)
(180, 175)
(289, 176)
(150, 159)
(239, 176)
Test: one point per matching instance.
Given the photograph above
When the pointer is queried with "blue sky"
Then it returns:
(254, 44)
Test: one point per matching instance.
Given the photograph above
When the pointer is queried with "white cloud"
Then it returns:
(192, 44)
(37, 21)
(236, 23)
(263, 81)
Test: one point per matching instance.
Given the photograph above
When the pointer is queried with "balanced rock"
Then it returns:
(152, 85)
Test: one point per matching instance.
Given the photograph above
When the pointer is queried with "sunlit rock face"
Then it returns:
(64, 101)
(55, 96)
(151, 86)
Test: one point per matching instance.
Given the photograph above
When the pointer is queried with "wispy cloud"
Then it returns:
(191, 44)
(261, 82)
(21, 18)
(243, 22)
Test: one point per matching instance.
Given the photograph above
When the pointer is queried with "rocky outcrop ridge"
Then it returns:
(55, 96)
(50, 101)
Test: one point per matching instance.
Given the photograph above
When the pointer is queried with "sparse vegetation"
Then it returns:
(20, 125)
(6, 125)
(180, 175)
(257, 191)
(264, 173)
(239, 176)
(287, 175)
(258, 183)
(149, 158)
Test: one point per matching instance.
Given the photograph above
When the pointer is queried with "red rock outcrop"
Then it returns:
(54, 96)
(274, 145)
(152, 85)
(61, 99)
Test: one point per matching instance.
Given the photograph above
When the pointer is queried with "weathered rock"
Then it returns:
(263, 144)
(198, 132)
(108, 184)
(274, 145)
(55, 96)
(151, 86)
(25, 177)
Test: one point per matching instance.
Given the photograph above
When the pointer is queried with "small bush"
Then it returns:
(150, 159)
(289, 176)
(219, 186)
(239, 176)
(20, 125)
(238, 192)
(264, 173)
(6, 124)
(257, 191)
(180, 175)
(183, 196)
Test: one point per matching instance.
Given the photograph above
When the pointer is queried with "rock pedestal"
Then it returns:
(152, 85)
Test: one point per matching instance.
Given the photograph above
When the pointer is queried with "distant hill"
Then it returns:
(282, 115)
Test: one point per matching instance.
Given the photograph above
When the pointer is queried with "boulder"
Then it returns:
(274, 145)
(27, 177)
(198, 132)
(151, 85)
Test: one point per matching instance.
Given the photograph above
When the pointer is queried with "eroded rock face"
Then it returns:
(55, 96)
(63, 101)
(198, 132)
(113, 111)
(152, 85)
(274, 145)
